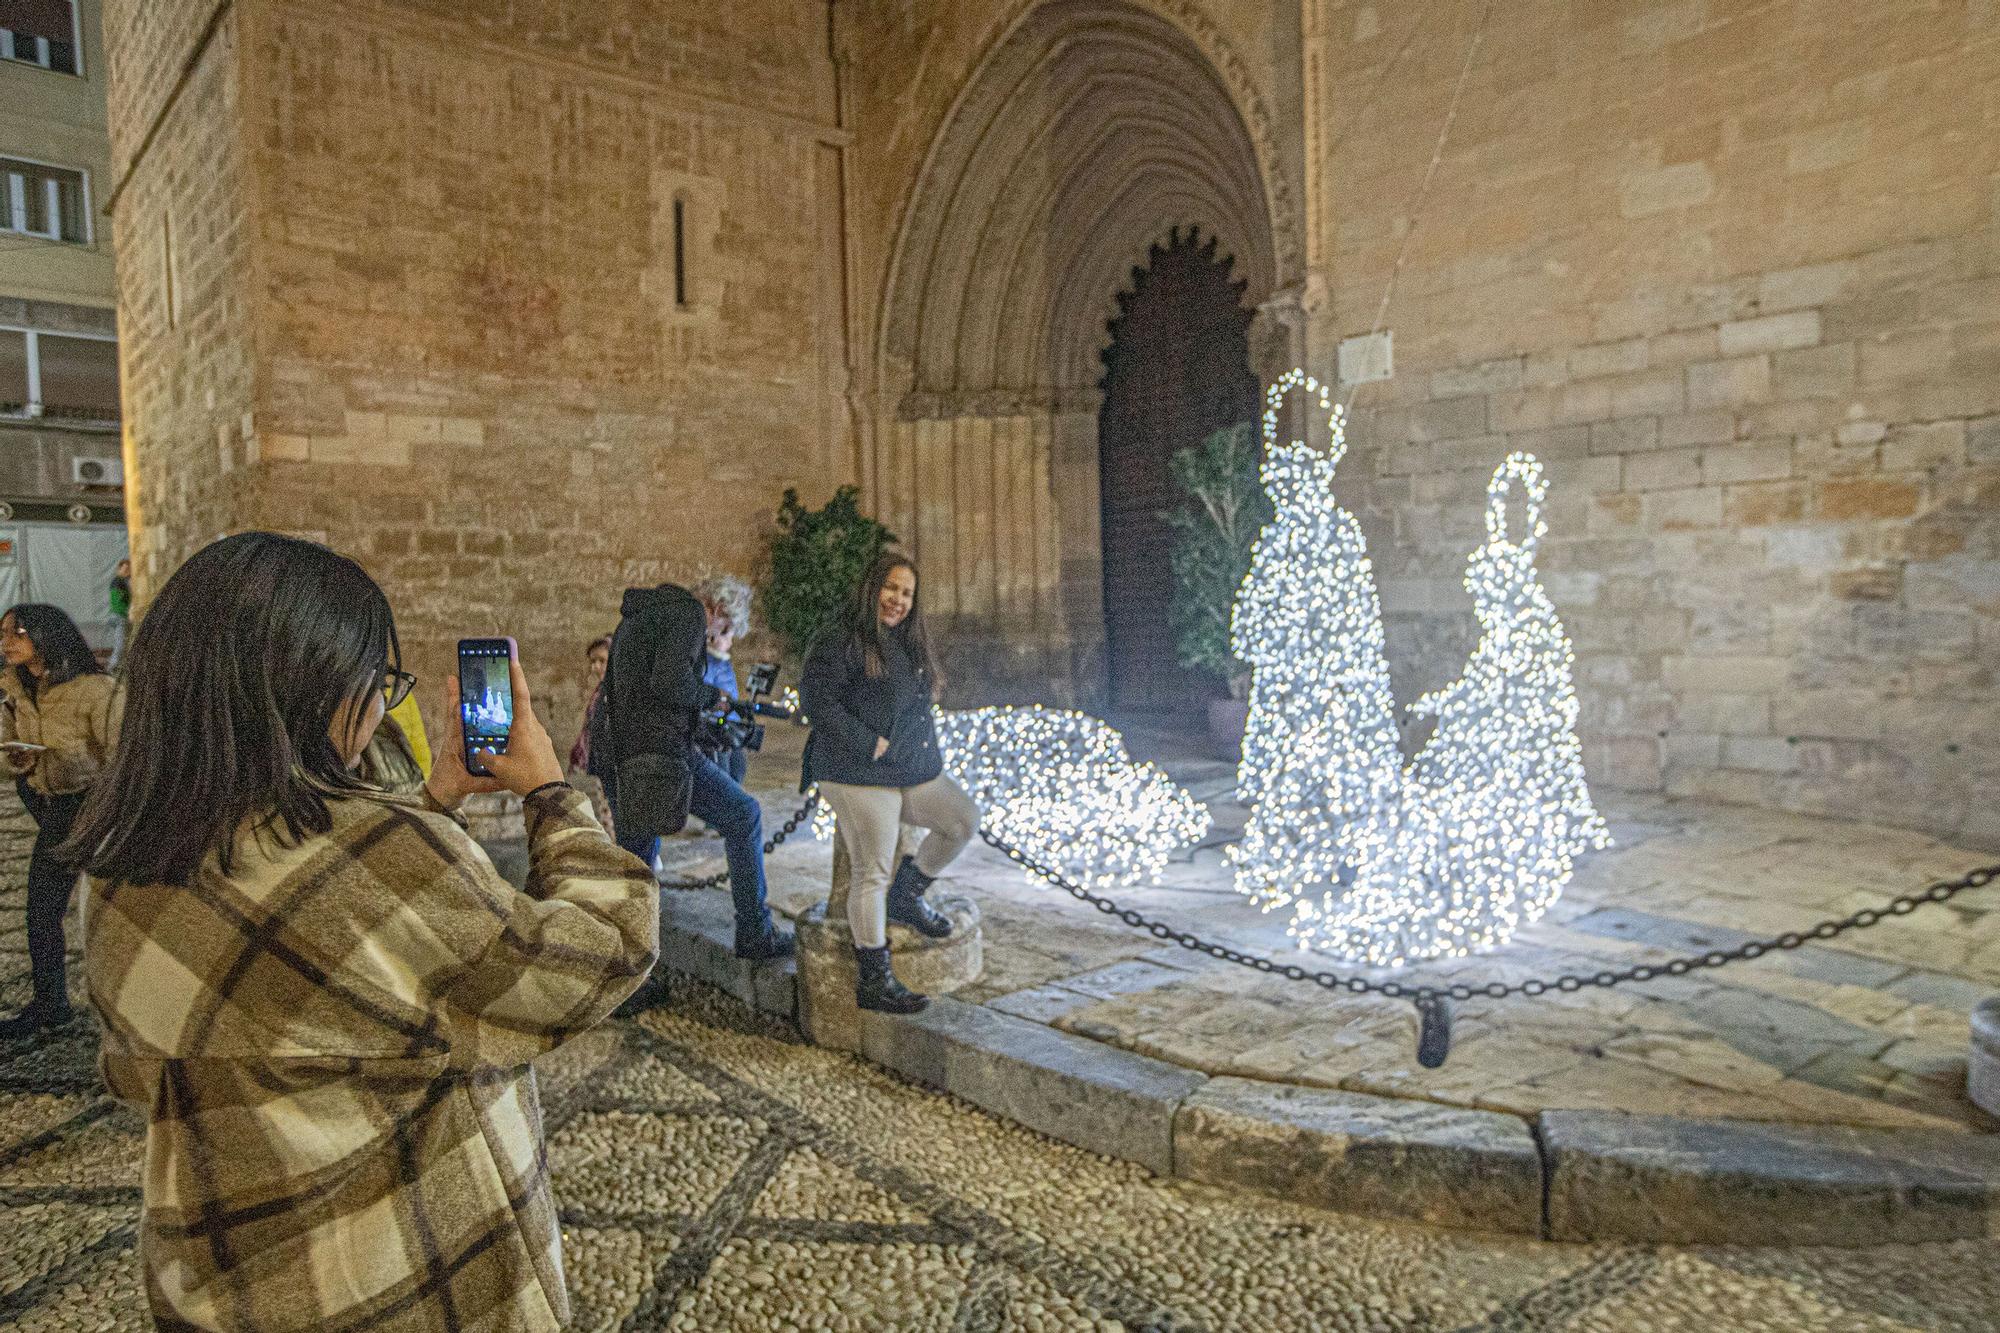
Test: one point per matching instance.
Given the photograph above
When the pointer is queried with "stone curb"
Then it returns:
(1567, 1175)
(1982, 1079)
(1356, 1153)
(1664, 1178)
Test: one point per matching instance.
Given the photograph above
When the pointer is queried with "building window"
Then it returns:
(680, 252)
(59, 376)
(43, 201)
(41, 32)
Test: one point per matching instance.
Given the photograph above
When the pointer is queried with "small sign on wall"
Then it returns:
(1367, 357)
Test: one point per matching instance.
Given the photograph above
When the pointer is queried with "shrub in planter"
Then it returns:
(1215, 528)
(816, 558)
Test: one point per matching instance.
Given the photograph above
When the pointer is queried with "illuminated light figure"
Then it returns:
(1499, 805)
(1386, 863)
(1060, 786)
(1321, 769)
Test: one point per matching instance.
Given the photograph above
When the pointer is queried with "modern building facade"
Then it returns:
(61, 460)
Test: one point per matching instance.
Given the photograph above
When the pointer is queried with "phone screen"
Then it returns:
(485, 696)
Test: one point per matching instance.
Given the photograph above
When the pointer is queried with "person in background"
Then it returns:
(56, 697)
(726, 599)
(869, 687)
(583, 771)
(321, 997)
(121, 611)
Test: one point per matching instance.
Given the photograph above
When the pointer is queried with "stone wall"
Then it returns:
(476, 366)
(181, 216)
(1731, 270)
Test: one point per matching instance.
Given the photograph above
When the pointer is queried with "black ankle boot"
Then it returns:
(33, 1020)
(876, 987)
(907, 906)
(772, 942)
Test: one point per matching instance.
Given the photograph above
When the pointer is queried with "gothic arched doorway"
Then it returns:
(1178, 368)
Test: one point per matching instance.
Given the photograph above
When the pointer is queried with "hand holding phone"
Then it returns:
(529, 760)
(485, 698)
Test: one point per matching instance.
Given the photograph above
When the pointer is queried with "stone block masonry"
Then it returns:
(1778, 329)
(509, 315)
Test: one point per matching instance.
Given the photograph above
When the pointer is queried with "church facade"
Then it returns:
(520, 304)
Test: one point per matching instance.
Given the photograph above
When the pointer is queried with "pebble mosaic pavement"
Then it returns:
(715, 1174)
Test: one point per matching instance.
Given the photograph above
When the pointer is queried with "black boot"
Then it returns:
(33, 1020)
(765, 942)
(907, 906)
(876, 987)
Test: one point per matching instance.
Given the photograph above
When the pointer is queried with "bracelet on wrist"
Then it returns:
(546, 786)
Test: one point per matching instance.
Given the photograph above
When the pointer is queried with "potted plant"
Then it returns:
(815, 560)
(1215, 528)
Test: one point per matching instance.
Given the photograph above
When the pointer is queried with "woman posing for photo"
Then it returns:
(869, 688)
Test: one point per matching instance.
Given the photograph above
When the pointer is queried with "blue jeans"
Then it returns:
(722, 804)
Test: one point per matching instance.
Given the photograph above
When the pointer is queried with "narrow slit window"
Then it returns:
(167, 292)
(680, 253)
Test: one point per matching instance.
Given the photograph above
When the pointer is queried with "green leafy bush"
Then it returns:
(1215, 529)
(817, 556)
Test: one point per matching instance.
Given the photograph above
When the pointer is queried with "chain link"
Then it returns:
(776, 840)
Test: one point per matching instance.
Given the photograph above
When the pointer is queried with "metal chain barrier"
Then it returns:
(1433, 1001)
(776, 840)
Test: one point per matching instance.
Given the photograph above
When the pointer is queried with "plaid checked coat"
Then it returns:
(331, 1048)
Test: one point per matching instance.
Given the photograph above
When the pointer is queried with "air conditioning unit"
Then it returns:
(97, 471)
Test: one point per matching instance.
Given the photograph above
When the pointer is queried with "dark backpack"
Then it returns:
(639, 733)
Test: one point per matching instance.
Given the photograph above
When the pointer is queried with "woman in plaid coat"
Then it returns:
(321, 996)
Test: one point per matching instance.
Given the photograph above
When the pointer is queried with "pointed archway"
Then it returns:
(1176, 369)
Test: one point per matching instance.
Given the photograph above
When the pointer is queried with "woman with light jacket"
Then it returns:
(59, 722)
(869, 688)
(319, 994)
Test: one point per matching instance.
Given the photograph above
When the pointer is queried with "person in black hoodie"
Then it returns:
(653, 694)
(868, 689)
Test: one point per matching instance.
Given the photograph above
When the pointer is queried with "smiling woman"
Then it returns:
(870, 687)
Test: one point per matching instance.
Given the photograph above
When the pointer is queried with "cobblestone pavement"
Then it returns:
(1870, 1029)
(714, 1174)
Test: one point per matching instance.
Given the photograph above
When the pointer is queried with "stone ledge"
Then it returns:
(1982, 1080)
(1355, 1153)
(1080, 1091)
(1679, 1181)
(698, 937)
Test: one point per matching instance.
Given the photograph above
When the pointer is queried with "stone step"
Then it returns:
(1666, 1179)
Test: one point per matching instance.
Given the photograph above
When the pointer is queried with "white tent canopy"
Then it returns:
(68, 564)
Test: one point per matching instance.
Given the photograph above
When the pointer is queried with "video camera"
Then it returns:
(734, 724)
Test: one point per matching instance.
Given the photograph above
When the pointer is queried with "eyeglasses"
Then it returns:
(396, 685)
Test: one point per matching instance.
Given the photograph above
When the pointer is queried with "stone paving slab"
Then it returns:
(1683, 1181)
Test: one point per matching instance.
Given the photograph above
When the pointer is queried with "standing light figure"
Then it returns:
(1061, 787)
(1454, 852)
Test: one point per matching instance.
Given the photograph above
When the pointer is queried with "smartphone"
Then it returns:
(485, 697)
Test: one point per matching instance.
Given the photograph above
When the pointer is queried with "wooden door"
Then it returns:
(1177, 368)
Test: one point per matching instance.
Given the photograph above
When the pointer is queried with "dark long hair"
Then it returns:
(865, 621)
(58, 642)
(232, 682)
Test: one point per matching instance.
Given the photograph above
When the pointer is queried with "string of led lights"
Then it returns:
(1384, 862)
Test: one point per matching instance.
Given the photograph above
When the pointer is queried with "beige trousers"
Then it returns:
(871, 820)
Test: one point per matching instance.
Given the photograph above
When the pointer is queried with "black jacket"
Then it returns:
(653, 689)
(850, 711)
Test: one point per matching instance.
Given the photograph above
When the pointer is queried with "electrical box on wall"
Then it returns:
(97, 471)
(1368, 357)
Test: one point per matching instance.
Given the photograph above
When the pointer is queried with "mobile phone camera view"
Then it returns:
(485, 697)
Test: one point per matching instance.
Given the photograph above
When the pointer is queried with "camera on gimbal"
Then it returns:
(734, 725)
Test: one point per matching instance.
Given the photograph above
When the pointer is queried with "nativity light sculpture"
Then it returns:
(1386, 862)
(1061, 786)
